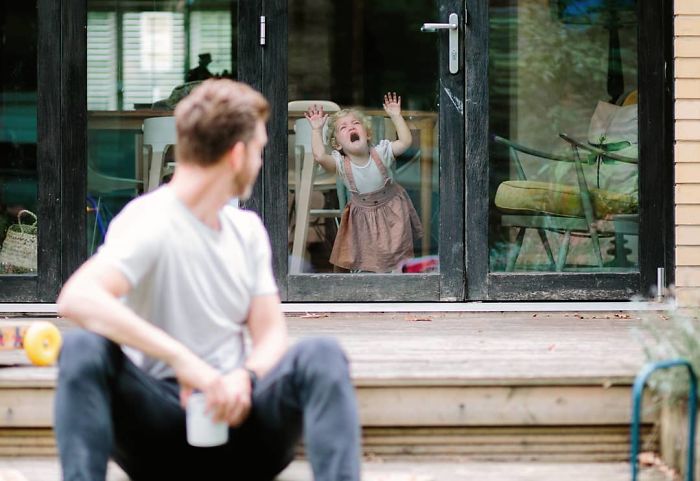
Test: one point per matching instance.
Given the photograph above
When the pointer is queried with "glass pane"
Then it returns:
(144, 57)
(344, 57)
(18, 161)
(563, 158)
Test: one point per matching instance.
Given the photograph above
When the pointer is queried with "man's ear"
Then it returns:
(237, 156)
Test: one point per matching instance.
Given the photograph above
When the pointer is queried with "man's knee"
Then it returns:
(86, 354)
(323, 360)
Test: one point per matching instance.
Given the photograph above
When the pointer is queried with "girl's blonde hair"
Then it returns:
(333, 120)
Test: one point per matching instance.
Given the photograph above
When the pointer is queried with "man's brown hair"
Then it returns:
(216, 116)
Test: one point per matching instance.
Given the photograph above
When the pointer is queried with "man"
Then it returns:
(200, 72)
(179, 277)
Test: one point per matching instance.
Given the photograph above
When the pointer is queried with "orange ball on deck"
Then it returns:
(42, 343)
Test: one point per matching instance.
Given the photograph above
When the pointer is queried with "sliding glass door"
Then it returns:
(380, 219)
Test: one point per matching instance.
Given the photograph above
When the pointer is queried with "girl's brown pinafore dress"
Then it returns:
(377, 229)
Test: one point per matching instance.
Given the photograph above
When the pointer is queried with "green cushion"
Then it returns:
(531, 197)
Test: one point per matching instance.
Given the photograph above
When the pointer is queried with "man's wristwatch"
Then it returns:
(253, 377)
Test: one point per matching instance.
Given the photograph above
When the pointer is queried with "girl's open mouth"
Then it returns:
(354, 137)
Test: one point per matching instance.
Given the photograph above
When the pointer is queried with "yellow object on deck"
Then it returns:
(41, 341)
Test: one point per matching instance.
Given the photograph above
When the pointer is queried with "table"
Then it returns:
(122, 119)
(424, 122)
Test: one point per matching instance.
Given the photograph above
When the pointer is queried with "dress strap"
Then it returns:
(347, 165)
(380, 165)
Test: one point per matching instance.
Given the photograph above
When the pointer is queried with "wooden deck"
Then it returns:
(480, 386)
(457, 348)
(484, 348)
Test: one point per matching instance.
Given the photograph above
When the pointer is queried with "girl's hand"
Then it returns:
(392, 104)
(316, 117)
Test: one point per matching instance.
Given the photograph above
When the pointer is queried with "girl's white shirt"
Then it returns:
(367, 177)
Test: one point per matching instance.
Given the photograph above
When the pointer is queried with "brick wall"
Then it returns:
(687, 150)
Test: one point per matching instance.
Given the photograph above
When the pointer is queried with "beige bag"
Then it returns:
(19, 250)
(615, 128)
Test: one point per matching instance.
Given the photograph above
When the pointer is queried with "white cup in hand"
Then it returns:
(202, 431)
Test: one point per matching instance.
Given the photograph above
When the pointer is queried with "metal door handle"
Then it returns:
(453, 27)
(431, 27)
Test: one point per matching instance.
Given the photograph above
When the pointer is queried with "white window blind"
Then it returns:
(153, 56)
(101, 61)
(211, 32)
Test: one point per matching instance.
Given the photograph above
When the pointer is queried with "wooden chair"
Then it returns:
(571, 210)
(159, 136)
(305, 177)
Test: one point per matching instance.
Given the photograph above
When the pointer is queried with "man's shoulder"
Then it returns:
(150, 200)
(150, 209)
(245, 221)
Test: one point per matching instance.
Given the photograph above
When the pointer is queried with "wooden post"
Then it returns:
(673, 436)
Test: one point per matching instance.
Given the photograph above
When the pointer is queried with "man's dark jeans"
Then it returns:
(107, 407)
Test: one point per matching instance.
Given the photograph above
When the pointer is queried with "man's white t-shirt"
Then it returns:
(367, 177)
(193, 282)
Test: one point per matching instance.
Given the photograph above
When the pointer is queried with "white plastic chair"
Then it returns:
(304, 177)
(159, 134)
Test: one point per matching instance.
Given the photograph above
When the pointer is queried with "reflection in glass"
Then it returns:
(144, 57)
(563, 157)
(18, 138)
(347, 70)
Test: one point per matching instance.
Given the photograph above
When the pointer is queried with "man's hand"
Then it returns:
(229, 397)
(392, 104)
(193, 373)
(316, 117)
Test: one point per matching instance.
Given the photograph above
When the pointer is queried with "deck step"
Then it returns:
(494, 387)
(567, 444)
(47, 469)
(563, 423)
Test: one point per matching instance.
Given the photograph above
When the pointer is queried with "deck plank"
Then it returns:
(453, 348)
(485, 348)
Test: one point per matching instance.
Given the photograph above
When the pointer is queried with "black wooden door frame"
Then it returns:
(62, 143)
(60, 150)
(449, 284)
(656, 236)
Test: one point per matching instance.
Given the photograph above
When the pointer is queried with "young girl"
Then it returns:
(379, 223)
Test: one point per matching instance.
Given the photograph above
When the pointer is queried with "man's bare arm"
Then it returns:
(91, 298)
(268, 331)
(269, 334)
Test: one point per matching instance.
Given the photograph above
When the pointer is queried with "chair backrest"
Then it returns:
(159, 132)
(302, 134)
(302, 129)
(303, 105)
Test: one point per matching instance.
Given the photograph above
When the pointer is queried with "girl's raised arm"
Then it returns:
(317, 119)
(392, 106)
